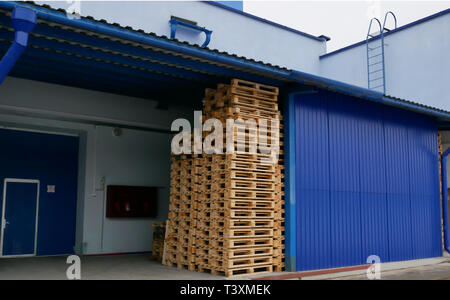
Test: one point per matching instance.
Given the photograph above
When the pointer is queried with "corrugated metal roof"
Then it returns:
(159, 36)
(130, 62)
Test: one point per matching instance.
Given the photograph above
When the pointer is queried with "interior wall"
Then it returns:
(139, 159)
(135, 158)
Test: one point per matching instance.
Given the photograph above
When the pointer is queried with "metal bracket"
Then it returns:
(175, 22)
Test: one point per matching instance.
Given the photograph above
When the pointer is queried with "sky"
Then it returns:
(346, 22)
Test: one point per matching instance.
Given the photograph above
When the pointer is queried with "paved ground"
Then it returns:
(431, 272)
(95, 267)
(140, 267)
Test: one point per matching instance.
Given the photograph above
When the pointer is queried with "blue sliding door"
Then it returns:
(367, 182)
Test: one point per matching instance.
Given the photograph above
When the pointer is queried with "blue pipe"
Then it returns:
(445, 199)
(23, 20)
(292, 76)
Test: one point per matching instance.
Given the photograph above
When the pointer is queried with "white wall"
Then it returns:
(417, 63)
(136, 158)
(140, 159)
(232, 32)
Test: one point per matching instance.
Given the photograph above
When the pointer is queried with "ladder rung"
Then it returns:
(376, 63)
(376, 55)
(376, 79)
(375, 48)
(379, 70)
(375, 87)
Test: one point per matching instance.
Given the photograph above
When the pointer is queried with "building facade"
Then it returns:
(362, 170)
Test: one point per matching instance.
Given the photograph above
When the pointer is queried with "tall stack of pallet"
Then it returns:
(236, 205)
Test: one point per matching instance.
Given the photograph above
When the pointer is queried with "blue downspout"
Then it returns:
(23, 20)
(445, 199)
(290, 195)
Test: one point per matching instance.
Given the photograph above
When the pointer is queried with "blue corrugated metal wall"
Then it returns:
(367, 182)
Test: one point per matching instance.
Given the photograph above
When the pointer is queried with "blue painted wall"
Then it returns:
(52, 159)
(367, 182)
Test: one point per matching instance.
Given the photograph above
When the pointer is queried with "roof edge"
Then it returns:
(406, 26)
(364, 93)
(248, 15)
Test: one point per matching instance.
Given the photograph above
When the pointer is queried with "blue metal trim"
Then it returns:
(320, 39)
(174, 23)
(445, 200)
(23, 20)
(290, 197)
(441, 13)
(356, 91)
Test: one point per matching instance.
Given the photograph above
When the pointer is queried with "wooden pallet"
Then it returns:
(222, 204)
(222, 175)
(244, 185)
(221, 233)
(248, 270)
(243, 101)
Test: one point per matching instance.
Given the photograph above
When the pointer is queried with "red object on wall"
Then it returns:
(131, 201)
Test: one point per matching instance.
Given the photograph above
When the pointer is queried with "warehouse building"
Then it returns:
(90, 101)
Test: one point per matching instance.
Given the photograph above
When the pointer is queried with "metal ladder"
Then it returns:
(376, 74)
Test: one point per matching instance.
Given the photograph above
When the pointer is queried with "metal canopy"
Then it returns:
(93, 54)
(75, 57)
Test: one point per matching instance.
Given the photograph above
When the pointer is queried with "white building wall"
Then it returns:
(417, 63)
(135, 158)
(232, 32)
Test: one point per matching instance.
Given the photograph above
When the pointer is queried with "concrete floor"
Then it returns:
(126, 267)
(139, 266)
(431, 272)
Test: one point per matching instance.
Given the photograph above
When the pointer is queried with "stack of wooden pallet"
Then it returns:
(159, 232)
(179, 248)
(235, 201)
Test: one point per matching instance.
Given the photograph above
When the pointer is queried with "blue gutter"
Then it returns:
(23, 20)
(278, 73)
(445, 200)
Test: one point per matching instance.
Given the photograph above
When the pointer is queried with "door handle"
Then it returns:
(5, 223)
